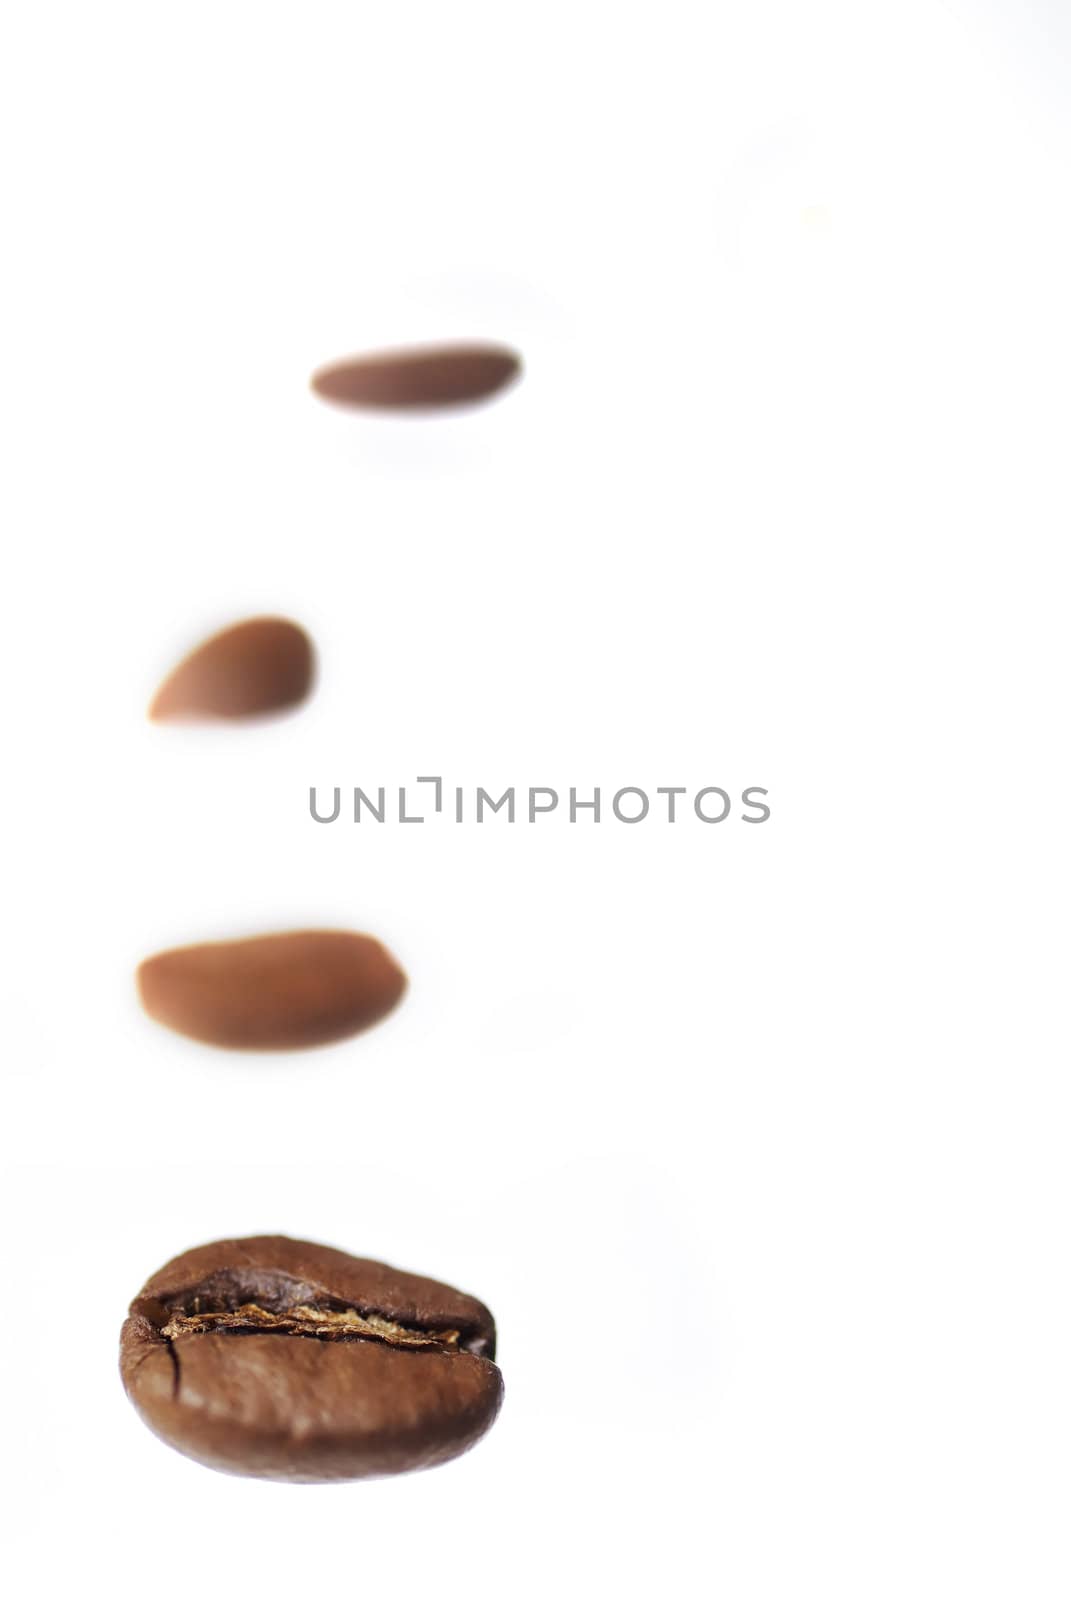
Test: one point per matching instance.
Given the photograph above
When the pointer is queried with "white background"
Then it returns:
(754, 1139)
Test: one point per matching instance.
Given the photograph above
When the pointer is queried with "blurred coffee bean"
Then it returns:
(259, 666)
(420, 378)
(283, 991)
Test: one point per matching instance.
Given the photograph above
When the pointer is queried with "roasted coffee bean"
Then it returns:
(279, 1359)
(421, 378)
(282, 991)
(259, 666)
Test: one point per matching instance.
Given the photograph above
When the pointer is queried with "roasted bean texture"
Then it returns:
(274, 1358)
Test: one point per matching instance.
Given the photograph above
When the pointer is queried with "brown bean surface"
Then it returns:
(255, 667)
(420, 378)
(276, 1358)
(283, 991)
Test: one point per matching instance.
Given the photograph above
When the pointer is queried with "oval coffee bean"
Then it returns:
(259, 666)
(283, 991)
(278, 1359)
(439, 375)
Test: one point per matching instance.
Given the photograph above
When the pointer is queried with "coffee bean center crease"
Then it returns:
(310, 1322)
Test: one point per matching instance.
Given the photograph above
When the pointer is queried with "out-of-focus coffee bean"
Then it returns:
(283, 991)
(422, 378)
(255, 667)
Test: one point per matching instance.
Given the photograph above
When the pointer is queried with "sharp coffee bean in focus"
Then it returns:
(419, 379)
(274, 1358)
(282, 991)
(256, 667)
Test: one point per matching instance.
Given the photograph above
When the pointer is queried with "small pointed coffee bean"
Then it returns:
(259, 666)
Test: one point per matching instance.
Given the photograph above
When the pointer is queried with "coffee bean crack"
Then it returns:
(308, 1322)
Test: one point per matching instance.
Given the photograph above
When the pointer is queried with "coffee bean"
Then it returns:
(440, 375)
(283, 991)
(255, 667)
(274, 1358)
